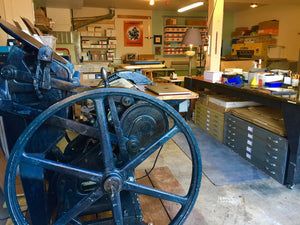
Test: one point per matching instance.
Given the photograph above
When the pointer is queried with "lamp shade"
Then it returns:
(192, 37)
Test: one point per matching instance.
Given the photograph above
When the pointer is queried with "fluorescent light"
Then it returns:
(151, 2)
(190, 6)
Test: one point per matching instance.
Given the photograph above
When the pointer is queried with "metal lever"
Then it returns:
(104, 77)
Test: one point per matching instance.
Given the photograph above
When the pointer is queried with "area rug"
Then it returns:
(220, 164)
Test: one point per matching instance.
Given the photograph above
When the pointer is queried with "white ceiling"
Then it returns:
(229, 5)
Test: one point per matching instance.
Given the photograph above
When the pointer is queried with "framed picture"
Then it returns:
(157, 39)
(157, 50)
(130, 57)
(133, 33)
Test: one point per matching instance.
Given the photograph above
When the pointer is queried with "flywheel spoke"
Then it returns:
(142, 189)
(151, 149)
(117, 126)
(82, 205)
(117, 208)
(105, 144)
(37, 160)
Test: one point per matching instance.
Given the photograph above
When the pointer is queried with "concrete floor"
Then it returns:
(255, 203)
(264, 202)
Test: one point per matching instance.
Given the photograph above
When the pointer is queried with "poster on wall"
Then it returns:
(133, 33)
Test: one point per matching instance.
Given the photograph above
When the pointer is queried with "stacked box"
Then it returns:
(196, 22)
(110, 32)
(85, 43)
(103, 42)
(268, 27)
(171, 21)
(112, 42)
(41, 18)
(110, 55)
(239, 31)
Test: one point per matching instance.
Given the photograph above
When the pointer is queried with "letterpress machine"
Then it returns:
(84, 170)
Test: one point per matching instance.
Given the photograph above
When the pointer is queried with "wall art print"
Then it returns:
(133, 33)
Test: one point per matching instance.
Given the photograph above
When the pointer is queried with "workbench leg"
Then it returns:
(290, 114)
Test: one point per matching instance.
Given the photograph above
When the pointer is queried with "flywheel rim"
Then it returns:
(18, 149)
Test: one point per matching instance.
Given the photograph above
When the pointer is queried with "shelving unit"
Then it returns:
(98, 42)
(174, 33)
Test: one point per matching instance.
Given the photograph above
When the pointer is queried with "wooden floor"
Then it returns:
(161, 212)
(156, 211)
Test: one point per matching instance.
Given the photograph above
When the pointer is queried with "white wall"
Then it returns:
(147, 31)
(289, 25)
(61, 17)
(13, 10)
(119, 26)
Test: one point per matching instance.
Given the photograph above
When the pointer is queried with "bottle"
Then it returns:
(254, 82)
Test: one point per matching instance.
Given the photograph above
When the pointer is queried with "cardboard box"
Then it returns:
(90, 33)
(97, 29)
(98, 33)
(241, 28)
(112, 42)
(42, 20)
(86, 81)
(196, 22)
(90, 28)
(83, 33)
(237, 34)
(110, 32)
(267, 31)
(103, 42)
(212, 76)
(171, 21)
(270, 24)
(39, 12)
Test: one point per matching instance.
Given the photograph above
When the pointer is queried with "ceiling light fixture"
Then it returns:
(190, 6)
(151, 2)
(253, 5)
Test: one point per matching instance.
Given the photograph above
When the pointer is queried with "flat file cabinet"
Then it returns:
(210, 120)
(264, 149)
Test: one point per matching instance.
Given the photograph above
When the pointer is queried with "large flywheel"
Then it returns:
(121, 133)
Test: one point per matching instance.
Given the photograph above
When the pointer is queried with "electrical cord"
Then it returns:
(153, 166)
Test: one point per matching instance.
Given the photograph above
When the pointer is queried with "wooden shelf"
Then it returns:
(184, 26)
(104, 37)
(99, 48)
(97, 61)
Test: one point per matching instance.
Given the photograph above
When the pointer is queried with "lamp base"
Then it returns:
(190, 53)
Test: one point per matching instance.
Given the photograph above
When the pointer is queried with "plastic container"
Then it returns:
(273, 84)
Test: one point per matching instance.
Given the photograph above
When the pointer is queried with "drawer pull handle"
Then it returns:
(271, 164)
(271, 171)
(273, 149)
(275, 141)
(273, 156)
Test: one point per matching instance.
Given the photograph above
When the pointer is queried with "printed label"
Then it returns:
(248, 155)
(250, 129)
(248, 149)
(249, 142)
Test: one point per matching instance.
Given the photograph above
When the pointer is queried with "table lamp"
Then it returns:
(192, 37)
